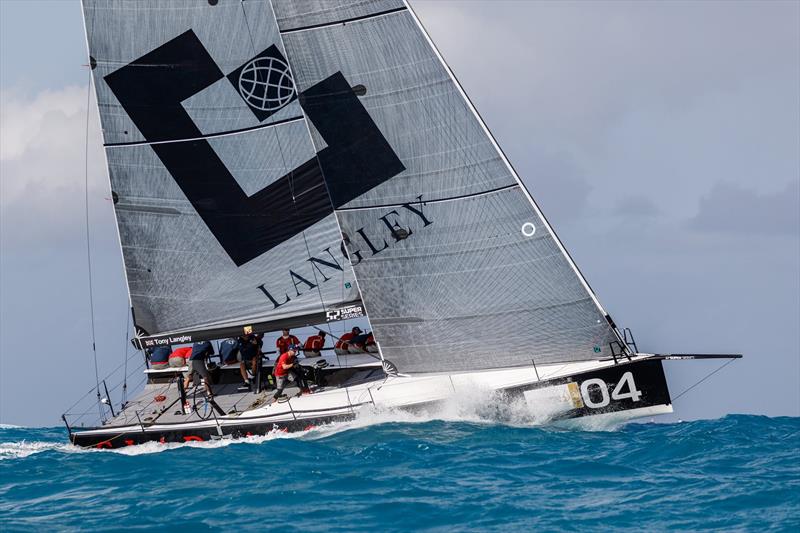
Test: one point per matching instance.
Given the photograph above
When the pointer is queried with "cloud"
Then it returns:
(729, 208)
(43, 274)
(26, 121)
(636, 206)
(42, 166)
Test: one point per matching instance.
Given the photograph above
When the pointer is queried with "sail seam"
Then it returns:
(437, 201)
(207, 136)
(344, 21)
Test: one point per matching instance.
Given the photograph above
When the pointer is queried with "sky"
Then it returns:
(661, 140)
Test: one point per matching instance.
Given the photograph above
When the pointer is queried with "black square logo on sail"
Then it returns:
(264, 83)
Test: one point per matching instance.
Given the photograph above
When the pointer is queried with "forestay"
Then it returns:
(456, 267)
(223, 215)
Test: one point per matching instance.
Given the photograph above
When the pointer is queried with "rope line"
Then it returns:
(702, 380)
(88, 244)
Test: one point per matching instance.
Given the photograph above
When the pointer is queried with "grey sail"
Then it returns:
(223, 215)
(456, 266)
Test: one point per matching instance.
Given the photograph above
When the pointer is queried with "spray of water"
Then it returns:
(477, 406)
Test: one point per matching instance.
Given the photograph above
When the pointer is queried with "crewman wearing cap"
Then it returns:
(314, 344)
(285, 340)
(287, 364)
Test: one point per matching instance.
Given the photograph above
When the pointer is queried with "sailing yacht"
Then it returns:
(282, 164)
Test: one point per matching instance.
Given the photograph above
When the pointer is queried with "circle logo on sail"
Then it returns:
(528, 229)
(266, 84)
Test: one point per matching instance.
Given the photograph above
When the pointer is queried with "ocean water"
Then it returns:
(379, 473)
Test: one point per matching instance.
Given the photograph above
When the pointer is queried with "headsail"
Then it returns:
(223, 215)
(457, 268)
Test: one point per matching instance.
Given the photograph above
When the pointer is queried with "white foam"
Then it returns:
(479, 406)
(476, 406)
(17, 450)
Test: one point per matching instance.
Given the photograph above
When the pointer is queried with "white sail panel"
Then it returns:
(457, 269)
(223, 214)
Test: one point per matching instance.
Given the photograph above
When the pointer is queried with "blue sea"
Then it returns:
(738, 473)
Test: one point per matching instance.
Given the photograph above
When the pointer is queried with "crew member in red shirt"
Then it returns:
(343, 344)
(314, 344)
(287, 364)
(178, 358)
(284, 341)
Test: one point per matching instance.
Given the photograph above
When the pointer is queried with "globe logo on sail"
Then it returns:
(266, 84)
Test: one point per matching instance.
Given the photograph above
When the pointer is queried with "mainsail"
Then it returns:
(276, 159)
(223, 216)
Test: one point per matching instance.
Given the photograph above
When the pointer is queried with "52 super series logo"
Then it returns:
(344, 313)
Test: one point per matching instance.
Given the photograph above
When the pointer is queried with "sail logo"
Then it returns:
(366, 242)
(344, 313)
(356, 156)
(264, 83)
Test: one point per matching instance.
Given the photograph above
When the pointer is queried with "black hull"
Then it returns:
(648, 375)
(199, 434)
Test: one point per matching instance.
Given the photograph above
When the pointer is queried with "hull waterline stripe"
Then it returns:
(207, 136)
(344, 21)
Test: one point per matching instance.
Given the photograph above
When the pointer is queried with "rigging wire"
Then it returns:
(702, 380)
(125, 355)
(88, 246)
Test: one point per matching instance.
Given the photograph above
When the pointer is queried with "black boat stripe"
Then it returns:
(207, 136)
(345, 21)
(436, 201)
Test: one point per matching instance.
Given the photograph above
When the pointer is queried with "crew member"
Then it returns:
(250, 355)
(197, 365)
(286, 340)
(159, 357)
(287, 364)
(358, 344)
(314, 344)
(229, 351)
(342, 345)
(178, 358)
